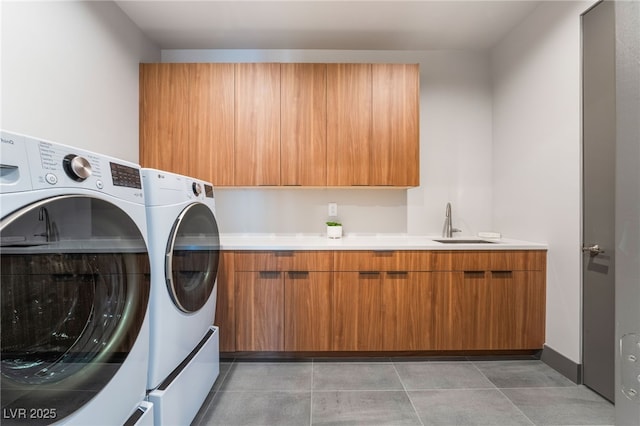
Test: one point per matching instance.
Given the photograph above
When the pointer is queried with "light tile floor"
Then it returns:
(391, 391)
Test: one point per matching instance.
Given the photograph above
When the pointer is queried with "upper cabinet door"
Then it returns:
(186, 119)
(257, 126)
(303, 124)
(164, 112)
(348, 124)
(395, 157)
(211, 123)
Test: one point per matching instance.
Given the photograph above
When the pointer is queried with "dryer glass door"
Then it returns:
(192, 258)
(75, 290)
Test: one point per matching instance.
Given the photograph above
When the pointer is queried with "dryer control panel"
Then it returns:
(165, 188)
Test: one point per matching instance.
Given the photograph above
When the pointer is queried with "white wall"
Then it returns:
(537, 154)
(455, 153)
(70, 74)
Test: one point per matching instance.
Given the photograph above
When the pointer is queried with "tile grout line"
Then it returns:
(311, 395)
(503, 394)
(215, 394)
(517, 408)
(407, 393)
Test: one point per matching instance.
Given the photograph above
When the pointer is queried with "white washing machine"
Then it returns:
(184, 247)
(74, 286)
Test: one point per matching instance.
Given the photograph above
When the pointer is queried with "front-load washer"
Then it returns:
(74, 286)
(184, 246)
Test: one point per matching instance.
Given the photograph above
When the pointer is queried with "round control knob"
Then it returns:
(197, 188)
(77, 168)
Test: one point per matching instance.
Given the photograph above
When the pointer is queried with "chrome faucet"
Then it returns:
(48, 234)
(448, 229)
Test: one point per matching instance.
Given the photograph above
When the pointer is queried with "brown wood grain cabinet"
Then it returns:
(497, 310)
(164, 109)
(211, 123)
(259, 311)
(439, 300)
(257, 124)
(307, 311)
(290, 124)
(303, 140)
(187, 118)
(225, 304)
(288, 290)
(348, 124)
(388, 300)
(373, 124)
(415, 310)
(357, 311)
(498, 300)
(395, 156)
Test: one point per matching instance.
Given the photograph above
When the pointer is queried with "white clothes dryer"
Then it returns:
(184, 247)
(74, 286)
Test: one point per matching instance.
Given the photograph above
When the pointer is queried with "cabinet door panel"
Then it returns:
(225, 304)
(257, 125)
(303, 141)
(211, 123)
(357, 315)
(307, 311)
(517, 306)
(395, 135)
(415, 310)
(470, 311)
(404, 318)
(348, 124)
(259, 311)
(164, 110)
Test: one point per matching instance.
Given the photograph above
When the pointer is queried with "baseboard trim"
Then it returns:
(562, 364)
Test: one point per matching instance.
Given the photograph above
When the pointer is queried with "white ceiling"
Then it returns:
(326, 24)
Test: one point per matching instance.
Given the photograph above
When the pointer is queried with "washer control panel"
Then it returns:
(41, 164)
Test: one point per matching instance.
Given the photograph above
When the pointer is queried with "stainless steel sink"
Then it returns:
(464, 241)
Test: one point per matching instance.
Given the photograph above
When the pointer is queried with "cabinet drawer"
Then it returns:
(286, 260)
(392, 260)
(499, 260)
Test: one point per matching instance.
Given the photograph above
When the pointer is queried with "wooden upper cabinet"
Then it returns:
(373, 115)
(289, 124)
(211, 123)
(186, 119)
(395, 127)
(348, 124)
(257, 124)
(164, 110)
(303, 142)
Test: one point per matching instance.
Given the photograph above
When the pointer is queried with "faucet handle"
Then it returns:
(456, 230)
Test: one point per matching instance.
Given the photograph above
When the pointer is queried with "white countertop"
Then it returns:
(365, 242)
(94, 245)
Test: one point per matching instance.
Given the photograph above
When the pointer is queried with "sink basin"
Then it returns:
(464, 241)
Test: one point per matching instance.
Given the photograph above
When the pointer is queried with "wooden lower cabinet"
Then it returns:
(390, 311)
(497, 310)
(357, 311)
(259, 311)
(321, 309)
(283, 311)
(415, 310)
(225, 302)
(307, 311)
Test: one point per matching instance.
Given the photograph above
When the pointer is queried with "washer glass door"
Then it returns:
(75, 291)
(192, 257)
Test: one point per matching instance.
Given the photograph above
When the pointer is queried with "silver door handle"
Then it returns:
(593, 250)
